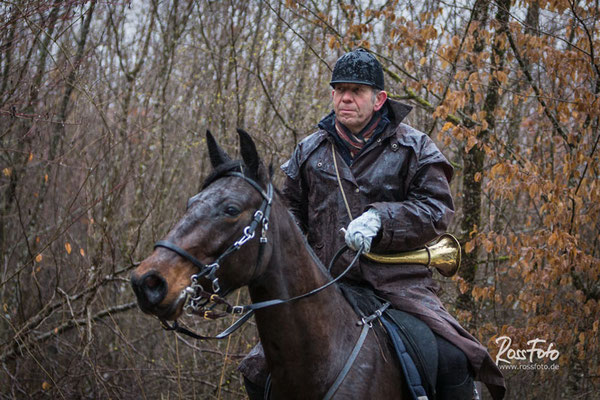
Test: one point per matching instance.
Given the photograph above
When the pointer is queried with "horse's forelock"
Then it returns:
(222, 170)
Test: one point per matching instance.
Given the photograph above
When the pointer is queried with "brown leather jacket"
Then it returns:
(406, 178)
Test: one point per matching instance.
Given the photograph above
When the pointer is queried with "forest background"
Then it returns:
(103, 109)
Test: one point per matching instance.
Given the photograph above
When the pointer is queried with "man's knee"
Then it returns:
(455, 379)
(254, 391)
(254, 368)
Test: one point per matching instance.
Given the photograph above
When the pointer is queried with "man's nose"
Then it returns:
(347, 96)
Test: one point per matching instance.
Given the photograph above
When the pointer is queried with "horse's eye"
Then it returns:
(232, 211)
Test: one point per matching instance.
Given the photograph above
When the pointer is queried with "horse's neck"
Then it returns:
(309, 331)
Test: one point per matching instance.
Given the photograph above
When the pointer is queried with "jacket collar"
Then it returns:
(397, 112)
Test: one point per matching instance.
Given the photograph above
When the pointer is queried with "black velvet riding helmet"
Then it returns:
(358, 66)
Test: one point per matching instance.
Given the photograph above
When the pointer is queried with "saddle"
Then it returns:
(413, 340)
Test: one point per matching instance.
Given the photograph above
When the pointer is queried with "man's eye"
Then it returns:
(232, 211)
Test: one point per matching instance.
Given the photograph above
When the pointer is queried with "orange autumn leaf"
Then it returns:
(447, 126)
(489, 245)
(469, 246)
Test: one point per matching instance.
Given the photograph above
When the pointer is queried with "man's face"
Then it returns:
(354, 104)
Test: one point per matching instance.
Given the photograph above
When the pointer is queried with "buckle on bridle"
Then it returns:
(247, 236)
(215, 285)
(213, 267)
(237, 310)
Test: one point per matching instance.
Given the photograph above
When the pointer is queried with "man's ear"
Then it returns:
(380, 100)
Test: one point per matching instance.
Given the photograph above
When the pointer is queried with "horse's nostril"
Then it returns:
(150, 289)
(152, 281)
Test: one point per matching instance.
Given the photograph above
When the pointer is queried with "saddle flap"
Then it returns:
(417, 338)
(420, 345)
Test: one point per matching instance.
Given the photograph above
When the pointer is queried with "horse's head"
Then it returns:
(220, 241)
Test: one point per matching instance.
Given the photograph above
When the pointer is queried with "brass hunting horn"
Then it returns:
(443, 254)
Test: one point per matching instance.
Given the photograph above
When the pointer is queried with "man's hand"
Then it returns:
(362, 230)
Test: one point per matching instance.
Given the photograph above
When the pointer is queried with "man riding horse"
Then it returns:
(388, 184)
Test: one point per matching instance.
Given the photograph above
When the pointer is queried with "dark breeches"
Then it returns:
(454, 378)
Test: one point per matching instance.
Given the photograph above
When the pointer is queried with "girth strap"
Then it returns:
(349, 362)
(366, 325)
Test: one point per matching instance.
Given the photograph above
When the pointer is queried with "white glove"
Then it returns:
(362, 230)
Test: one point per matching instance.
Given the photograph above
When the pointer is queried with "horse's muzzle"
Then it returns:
(150, 289)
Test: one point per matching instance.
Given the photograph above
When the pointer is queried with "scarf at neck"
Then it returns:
(346, 141)
(356, 142)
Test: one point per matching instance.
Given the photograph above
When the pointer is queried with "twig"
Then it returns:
(527, 74)
(66, 326)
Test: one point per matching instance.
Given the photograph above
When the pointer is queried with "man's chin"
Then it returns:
(349, 123)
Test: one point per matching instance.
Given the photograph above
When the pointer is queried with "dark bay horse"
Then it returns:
(306, 342)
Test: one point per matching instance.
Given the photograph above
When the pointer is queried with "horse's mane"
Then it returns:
(238, 166)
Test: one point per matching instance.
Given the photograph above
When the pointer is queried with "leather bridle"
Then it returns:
(196, 297)
(261, 216)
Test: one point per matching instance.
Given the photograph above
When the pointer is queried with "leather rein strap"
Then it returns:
(209, 271)
(262, 216)
(250, 308)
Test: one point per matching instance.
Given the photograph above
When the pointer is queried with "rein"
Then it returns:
(250, 308)
(196, 297)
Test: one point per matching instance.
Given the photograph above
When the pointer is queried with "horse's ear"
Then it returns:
(248, 151)
(215, 152)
